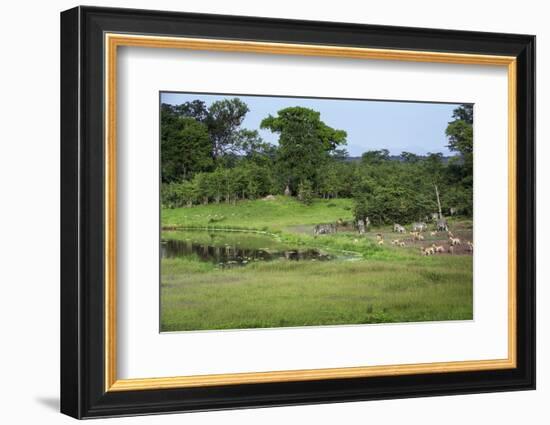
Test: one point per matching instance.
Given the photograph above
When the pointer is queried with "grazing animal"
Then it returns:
(361, 226)
(442, 226)
(454, 241)
(453, 211)
(402, 244)
(416, 236)
(427, 251)
(419, 227)
(470, 246)
(324, 229)
(438, 248)
(395, 242)
(451, 250)
(435, 216)
(450, 234)
(381, 242)
(433, 233)
(398, 228)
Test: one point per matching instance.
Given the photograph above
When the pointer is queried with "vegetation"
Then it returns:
(275, 215)
(197, 295)
(217, 175)
(365, 283)
(208, 158)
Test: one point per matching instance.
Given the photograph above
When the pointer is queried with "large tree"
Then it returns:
(194, 109)
(305, 144)
(185, 149)
(224, 120)
(460, 133)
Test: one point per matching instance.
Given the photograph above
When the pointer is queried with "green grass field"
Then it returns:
(376, 284)
(259, 214)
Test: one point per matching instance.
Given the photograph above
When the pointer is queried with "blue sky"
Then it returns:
(371, 125)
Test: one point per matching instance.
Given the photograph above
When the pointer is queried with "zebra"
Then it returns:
(419, 227)
(442, 226)
(324, 229)
(398, 228)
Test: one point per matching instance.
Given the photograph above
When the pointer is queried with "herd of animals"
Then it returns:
(416, 234)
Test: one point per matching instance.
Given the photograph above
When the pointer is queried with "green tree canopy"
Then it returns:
(460, 133)
(409, 157)
(224, 120)
(185, 149)
(195, 109)
(305, 143)
(374, 157)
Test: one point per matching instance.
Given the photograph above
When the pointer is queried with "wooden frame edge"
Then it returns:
(306, 375)
(110, 213)
(114, 40)
(512, 212)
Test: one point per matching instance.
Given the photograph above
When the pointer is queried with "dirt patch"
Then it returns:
(430, 238)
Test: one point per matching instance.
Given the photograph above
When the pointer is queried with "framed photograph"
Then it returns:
(261, 212)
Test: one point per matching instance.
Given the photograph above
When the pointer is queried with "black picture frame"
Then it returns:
(83, 392)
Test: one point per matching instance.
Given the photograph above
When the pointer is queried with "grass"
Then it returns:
(198, 296)
(246, 239)
(381, 284)
(259, 214)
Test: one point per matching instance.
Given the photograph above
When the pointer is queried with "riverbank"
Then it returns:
(385, 284)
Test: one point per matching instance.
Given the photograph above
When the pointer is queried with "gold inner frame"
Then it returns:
(113, 41)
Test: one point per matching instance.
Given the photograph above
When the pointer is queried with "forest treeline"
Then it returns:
(207, 156)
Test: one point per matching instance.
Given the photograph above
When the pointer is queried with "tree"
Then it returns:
(332, 181)
(374, 157)
(305, 143)
(249, 143)
(223, 121)
(206, 189)
(195, 109)
(360, 207)
(185, 148)
(409, 157)
(227, 141)
(464, 112)
(460, 133)
(174, 195)
(305, 192)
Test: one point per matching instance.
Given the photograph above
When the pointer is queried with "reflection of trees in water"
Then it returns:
(231, 254)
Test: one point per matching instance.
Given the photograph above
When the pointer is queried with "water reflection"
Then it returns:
(233, 254)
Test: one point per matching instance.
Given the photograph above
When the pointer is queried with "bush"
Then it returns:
(176, 195)
(360, 208)
(305, 192)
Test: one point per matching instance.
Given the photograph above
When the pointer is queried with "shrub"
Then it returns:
(305, 192)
